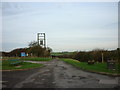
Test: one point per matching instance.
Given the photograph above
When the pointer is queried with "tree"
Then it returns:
(33, 43)
(47, 51)
(38, 50)
(17, 52)
(97, 54)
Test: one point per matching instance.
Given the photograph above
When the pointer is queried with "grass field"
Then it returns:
(5, 63)
(29, 58)
(97, 67)
(61, 53)
(24, 65)
(37, 59)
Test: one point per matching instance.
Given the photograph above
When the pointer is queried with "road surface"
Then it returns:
(56, 74)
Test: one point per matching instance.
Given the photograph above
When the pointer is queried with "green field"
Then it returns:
(37, 59)
(29, 58)
(97, 67)
(61, 53)
(24, 65)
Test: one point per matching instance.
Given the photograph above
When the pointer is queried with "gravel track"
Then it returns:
(56, 74)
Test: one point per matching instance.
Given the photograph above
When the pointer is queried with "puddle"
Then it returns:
(82, 77)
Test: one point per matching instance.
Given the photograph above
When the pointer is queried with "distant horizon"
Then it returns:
(69, 26)
(68, 51)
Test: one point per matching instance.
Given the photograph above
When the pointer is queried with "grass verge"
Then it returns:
(24, 65)
(97, 67)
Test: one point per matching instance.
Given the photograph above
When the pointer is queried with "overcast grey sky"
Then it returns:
(68, 26)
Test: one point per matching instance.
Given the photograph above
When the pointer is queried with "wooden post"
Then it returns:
(102, 58)
(44, 41)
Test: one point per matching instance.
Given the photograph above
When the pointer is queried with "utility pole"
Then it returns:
(41, 39)
(102, 58)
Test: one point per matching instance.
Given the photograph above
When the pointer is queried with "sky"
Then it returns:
(69, 26)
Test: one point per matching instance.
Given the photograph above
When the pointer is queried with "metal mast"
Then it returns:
(41, 39)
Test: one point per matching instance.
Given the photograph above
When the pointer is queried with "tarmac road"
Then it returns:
(56, 74)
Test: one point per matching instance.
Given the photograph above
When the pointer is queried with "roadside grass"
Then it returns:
(24, 65)
(37, 59)
(97, 67)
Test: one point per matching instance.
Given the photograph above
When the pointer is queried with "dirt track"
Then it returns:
(57, 74)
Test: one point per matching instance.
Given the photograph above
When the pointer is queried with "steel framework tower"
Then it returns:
(41, 39)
